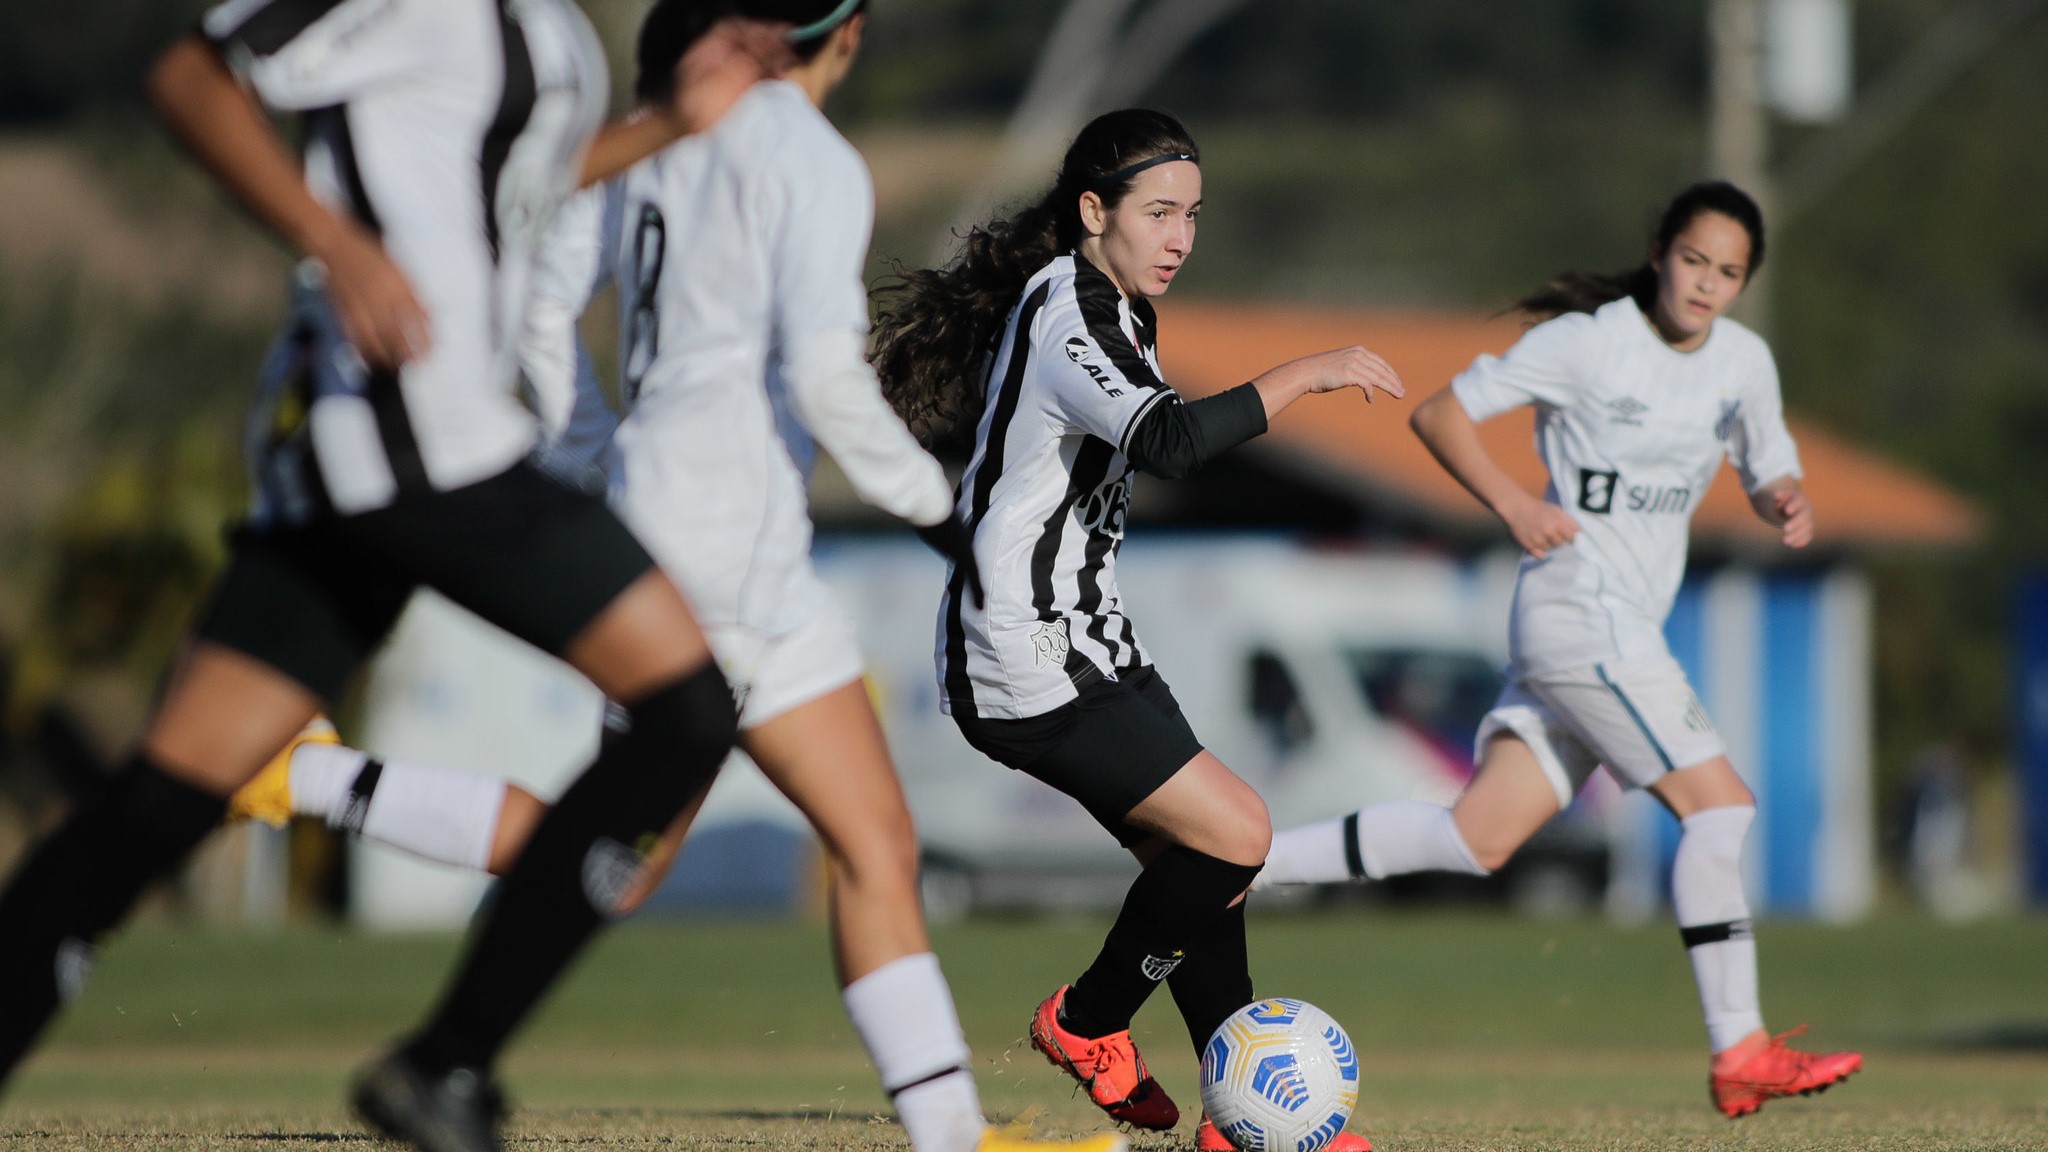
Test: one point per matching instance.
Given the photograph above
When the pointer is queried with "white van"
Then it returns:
(1329, 680)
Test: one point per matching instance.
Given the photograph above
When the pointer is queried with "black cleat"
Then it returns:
(457, 1111)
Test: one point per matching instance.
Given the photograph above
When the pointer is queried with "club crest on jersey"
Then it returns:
(1049, 641)
(1083, 353)
(1157, 968)
(1627, 410)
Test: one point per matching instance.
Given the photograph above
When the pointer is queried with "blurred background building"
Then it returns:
(1378, 172)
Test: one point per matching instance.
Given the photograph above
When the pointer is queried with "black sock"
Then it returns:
(582, 856)
(1165, 914)
(80, 882)
(1216, 980)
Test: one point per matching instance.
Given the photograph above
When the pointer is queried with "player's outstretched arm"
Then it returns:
(1174, 439)
(1450, 435)
(220, 123)
(1331, 371)
(1782, 504)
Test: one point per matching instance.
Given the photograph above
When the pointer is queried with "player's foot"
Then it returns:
(1109, 1067)
(1771, 1070)
(457, 1111)
(268, 797)
(1208, 1139)
(997, 1140)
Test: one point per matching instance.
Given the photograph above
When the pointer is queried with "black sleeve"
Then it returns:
(1174, 439)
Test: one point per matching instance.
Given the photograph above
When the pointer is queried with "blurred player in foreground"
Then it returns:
(1642, 385)
(740, 255)
(389, 455)
(1041, 337)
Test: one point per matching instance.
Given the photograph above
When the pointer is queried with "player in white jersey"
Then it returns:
(389, 455)
(1041, 338)
(1641, 387)
(740, 255)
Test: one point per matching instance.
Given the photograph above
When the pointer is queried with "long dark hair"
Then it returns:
(935, 325)
(1587, 291)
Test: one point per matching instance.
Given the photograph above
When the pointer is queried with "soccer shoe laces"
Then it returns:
(1104, 1054)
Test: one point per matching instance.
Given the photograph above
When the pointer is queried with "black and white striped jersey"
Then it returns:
(1045, 495)
(451, 128)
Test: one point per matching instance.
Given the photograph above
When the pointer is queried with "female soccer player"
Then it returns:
(741, 253)
(1041, 336)
(1641, 386)
(389, 455)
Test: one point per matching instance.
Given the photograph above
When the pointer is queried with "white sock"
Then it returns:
(904, 1014)
(1713, 919)
(1390, 839)
(438, 814)
(320, 779)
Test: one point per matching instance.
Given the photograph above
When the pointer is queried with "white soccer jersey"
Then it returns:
(1632, 431)
(452, 128)
(738, 261)
(1045, 494)
(576, 263)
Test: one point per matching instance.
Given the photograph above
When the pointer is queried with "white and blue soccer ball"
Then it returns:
(1280, 1076)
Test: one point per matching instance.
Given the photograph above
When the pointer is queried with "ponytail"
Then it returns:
(1587, 291)
(935, 327)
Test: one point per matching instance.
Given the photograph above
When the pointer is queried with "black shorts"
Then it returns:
(1110, 747)
(523, 551)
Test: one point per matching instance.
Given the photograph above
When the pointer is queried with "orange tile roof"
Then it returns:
(1858, 498)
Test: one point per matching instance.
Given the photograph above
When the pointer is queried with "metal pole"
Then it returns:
(1738, 127)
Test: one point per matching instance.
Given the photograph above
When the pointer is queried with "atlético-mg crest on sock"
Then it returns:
(1157, 968)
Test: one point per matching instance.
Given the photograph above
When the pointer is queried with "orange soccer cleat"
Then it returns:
(1773, 1070)
(1109, 1067)
(1208, 1139)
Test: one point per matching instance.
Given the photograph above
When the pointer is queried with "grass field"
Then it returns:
(1476, 1033)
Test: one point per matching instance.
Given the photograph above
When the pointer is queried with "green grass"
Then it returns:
(1476, 1033)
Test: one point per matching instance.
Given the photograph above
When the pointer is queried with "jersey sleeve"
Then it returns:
(569, 269)
(824, 211)
(1753, 427)
(1091, 376)
(1546, 367)
(304, 54)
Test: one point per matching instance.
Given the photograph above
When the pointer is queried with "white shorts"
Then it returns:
(811, 651)
(1639, 718)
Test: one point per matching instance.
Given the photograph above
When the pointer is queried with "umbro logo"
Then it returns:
(1627, 410)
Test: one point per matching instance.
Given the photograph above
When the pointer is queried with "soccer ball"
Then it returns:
(1279, 1076)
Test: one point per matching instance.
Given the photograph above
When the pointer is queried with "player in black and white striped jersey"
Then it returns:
(1040, 337)
(389, 455)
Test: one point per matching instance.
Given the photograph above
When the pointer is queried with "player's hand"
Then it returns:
(1352, 367)
(379, 314)
(1539, 526)
(1792, 512)
(719, 68)
(950, 538)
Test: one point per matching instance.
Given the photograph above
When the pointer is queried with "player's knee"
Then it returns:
(1493, 855)
(1255, 832)
(877, 862)
(686, 727)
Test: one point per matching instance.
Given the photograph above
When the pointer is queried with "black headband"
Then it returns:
(1122, 175)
